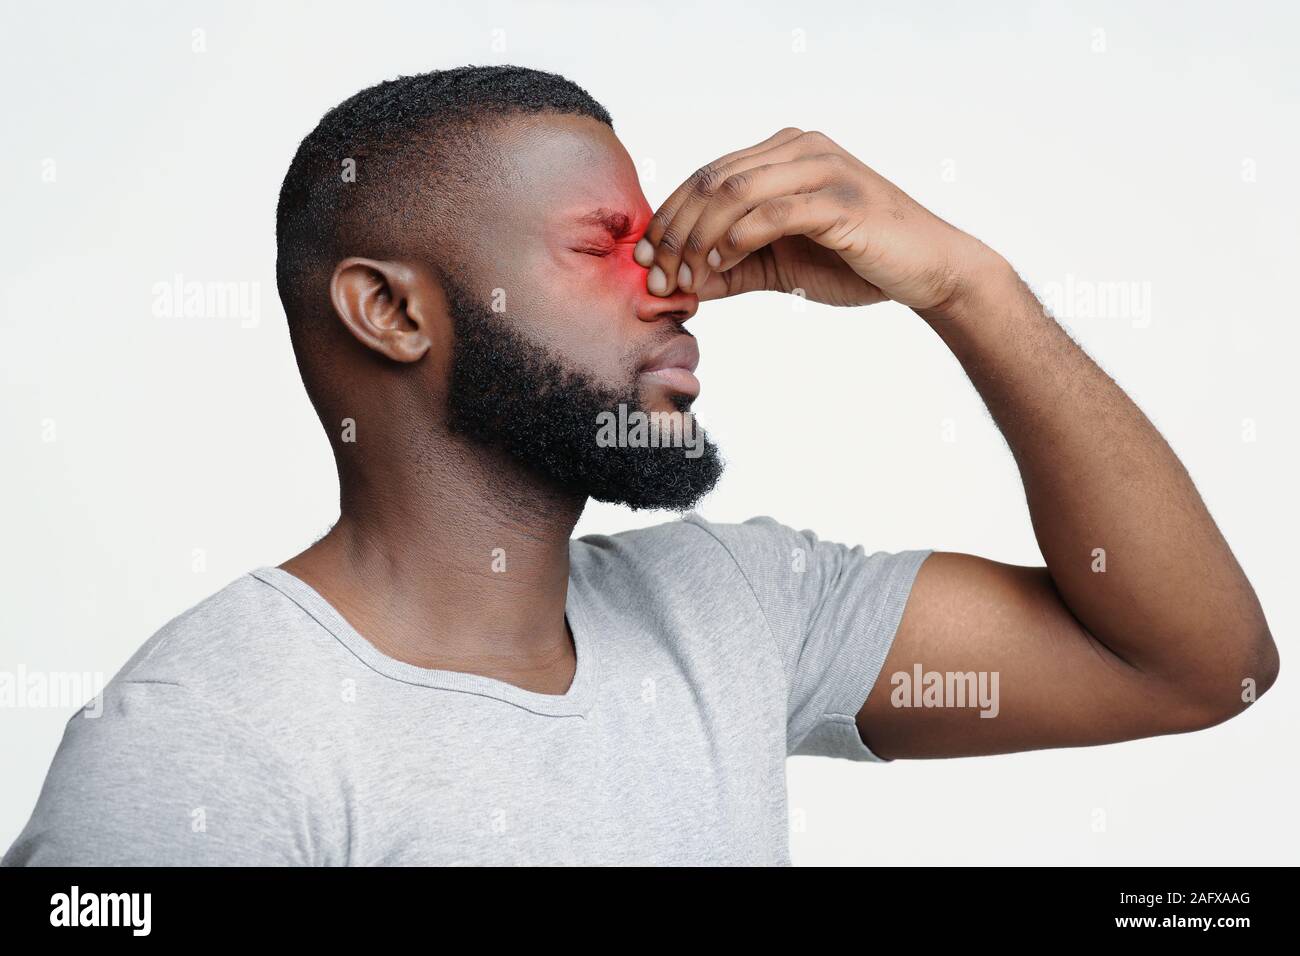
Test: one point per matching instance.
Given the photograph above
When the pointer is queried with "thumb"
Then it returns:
(747, 275)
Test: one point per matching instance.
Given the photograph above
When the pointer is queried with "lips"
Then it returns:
(682, 352)
(673, 366)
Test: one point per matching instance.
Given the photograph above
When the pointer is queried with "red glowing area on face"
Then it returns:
(609, 236)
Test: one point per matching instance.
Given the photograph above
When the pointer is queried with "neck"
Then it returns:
(449, 556)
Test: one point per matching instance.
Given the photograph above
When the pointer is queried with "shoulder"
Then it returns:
(759, 554)
(248, 646)
(690, 542)
(690, 567)
(150, 773)
(174, 762)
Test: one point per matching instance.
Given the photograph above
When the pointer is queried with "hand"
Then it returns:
(798, 212)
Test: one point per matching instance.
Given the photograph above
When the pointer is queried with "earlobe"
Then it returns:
(379, 303)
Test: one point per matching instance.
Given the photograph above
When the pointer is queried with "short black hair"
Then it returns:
(417, 145)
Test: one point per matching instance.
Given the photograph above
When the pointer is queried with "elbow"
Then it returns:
(1236, 681)
(1270, 661)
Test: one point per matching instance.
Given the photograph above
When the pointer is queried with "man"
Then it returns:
(475, 285)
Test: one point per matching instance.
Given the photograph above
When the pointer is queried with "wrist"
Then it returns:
(982, 280)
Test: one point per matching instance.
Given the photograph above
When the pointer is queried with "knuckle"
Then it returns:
(671, 241)
(732, 239)
(736, 186)
(655, 228)
(702, 172)
(776, 211)
(837, 162)
(695, 243)
(708, 179)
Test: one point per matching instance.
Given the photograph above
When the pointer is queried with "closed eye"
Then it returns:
(602, 250)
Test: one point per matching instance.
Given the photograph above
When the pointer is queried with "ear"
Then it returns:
(385, 305)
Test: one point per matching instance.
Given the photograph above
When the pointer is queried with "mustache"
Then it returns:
(663, 335)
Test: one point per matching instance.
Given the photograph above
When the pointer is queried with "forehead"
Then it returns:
(566, 172)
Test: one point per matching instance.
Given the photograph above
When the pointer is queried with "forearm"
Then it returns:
(1105, 491)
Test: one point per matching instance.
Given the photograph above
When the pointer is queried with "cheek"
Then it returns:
(592, 314)
(626, 273)
(616, 275)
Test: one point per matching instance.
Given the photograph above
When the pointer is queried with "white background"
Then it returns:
(1140, 143)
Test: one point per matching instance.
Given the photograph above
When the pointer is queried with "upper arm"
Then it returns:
(154, 778)
(831, 611)
(1044, 680)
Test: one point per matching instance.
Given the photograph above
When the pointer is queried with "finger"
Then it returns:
(654, 230)
(647, 251)
(746, 276)
(671, 250)
(803, 214)
(741, 192)
(660, 249)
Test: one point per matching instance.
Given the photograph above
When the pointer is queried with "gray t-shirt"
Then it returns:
(260, 728)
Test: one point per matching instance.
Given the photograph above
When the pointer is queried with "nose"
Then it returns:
(680, 306)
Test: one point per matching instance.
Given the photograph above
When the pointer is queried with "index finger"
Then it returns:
(663, 216)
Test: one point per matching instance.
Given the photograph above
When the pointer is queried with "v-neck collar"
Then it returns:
(576, 701)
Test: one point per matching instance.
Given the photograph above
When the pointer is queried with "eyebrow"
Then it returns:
(617, 224)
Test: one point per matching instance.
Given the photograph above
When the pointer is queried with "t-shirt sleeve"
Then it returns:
(151, 775)
(833, 611)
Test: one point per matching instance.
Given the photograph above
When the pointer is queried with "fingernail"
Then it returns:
(684, 277)
(657, 282)
(715, 260)
(643, 253)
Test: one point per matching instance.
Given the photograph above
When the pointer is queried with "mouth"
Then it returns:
(673, 366)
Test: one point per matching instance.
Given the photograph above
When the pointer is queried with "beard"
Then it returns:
(509, 393)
